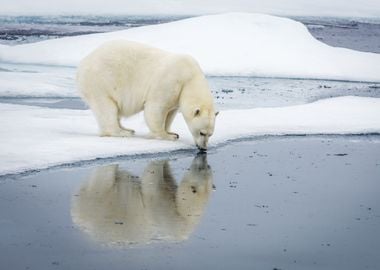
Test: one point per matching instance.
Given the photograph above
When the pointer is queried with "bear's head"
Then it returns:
(201, 125)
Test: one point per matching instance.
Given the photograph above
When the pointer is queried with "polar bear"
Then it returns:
(114, 206)
(122, 78)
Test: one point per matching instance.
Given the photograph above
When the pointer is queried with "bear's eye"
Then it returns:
(202, 134)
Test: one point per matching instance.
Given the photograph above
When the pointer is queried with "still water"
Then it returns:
(268, 203)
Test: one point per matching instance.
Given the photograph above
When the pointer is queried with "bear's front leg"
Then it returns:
(155, 117)
(169, 120)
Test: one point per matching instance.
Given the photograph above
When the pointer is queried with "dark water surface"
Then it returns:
(348, 33)
(27, 29)
(268, 203)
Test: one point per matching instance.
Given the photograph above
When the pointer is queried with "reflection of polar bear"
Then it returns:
(116, 207)
(122, 78)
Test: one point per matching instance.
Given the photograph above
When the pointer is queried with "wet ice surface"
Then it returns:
(279, 203)
(53, 102)
(54, 87)
(250, 92)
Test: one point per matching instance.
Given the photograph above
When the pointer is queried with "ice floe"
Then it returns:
(237, 44)
(37, 138)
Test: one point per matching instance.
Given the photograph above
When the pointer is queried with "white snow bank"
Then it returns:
(227, 44)
(36, 138)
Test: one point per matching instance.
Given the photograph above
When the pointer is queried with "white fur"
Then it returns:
(122, 78)
(114, 206)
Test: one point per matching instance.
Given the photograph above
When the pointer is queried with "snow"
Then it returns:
(37, 81)
(37, 138)
(233, 44)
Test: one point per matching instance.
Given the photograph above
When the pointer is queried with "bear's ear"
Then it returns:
(197, 112)
(216, 113)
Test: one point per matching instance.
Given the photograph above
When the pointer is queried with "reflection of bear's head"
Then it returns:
(116, 207)
(194, 190)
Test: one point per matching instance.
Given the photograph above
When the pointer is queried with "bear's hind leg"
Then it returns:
(107, 116)
(155, 118)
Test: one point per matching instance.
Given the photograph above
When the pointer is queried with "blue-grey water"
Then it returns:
(236, 93)
(268, 203)
(26, 29)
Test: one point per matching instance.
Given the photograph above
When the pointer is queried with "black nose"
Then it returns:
(202, 150)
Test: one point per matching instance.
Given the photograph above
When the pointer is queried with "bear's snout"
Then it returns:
(202, 149)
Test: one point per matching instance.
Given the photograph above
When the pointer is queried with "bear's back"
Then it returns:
(132, 74)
